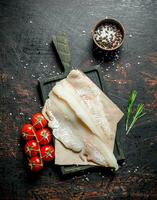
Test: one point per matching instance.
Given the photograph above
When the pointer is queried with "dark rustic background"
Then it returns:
(26, 29)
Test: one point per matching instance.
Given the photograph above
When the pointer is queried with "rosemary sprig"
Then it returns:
(130, 107)
(130, 114)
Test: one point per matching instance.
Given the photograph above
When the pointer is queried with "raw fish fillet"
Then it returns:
(76, 111)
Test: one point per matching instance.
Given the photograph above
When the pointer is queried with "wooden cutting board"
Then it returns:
(61, 44)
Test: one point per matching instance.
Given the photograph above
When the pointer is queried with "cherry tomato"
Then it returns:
(27, 132)
(47, 152)
(44, 136)
(32, 148)
(35, 164)
(39, 121)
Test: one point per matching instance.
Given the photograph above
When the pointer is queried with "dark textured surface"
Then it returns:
(24, 44)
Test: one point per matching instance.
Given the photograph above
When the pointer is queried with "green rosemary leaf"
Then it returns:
(141, 115)
(138, 113)
(131, 102)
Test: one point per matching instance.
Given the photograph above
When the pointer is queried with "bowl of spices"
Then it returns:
(108, 34)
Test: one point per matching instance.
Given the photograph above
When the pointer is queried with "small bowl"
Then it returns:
(112, 22)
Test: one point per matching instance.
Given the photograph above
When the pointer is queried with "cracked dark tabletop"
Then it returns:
(26, 56)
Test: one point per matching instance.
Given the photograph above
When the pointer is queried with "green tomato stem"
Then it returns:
(39, 148)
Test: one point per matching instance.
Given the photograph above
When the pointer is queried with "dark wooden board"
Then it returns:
(25, 38)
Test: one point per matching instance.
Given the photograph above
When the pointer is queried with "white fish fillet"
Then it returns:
(105, 112)
(69, 95)
(74, 135)
(76, 111)
(61, 120)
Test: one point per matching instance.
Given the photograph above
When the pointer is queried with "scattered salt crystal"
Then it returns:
(14, 98)
(21, 60)
(46, 44)
(57, 73)
(87, 179)
(30, 22)
(127, 65)
(45, 66)
(40, 107)
(21, 113)
(116, 70)
(53, 72)
(117, 56)
(10, 114)
(108, 75)
(102, 176)
(130, 35)
(18, 145)
(124, 163)
(91, 61)
(107, 69)
(138, 63)
(139, 56)
(83, 31)
(54, 66)
(41, 63)
(26, 64)
(12, 78)
(135, 170)
(24, 67)
(99, 173)
(129, 171)
(33, 75)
